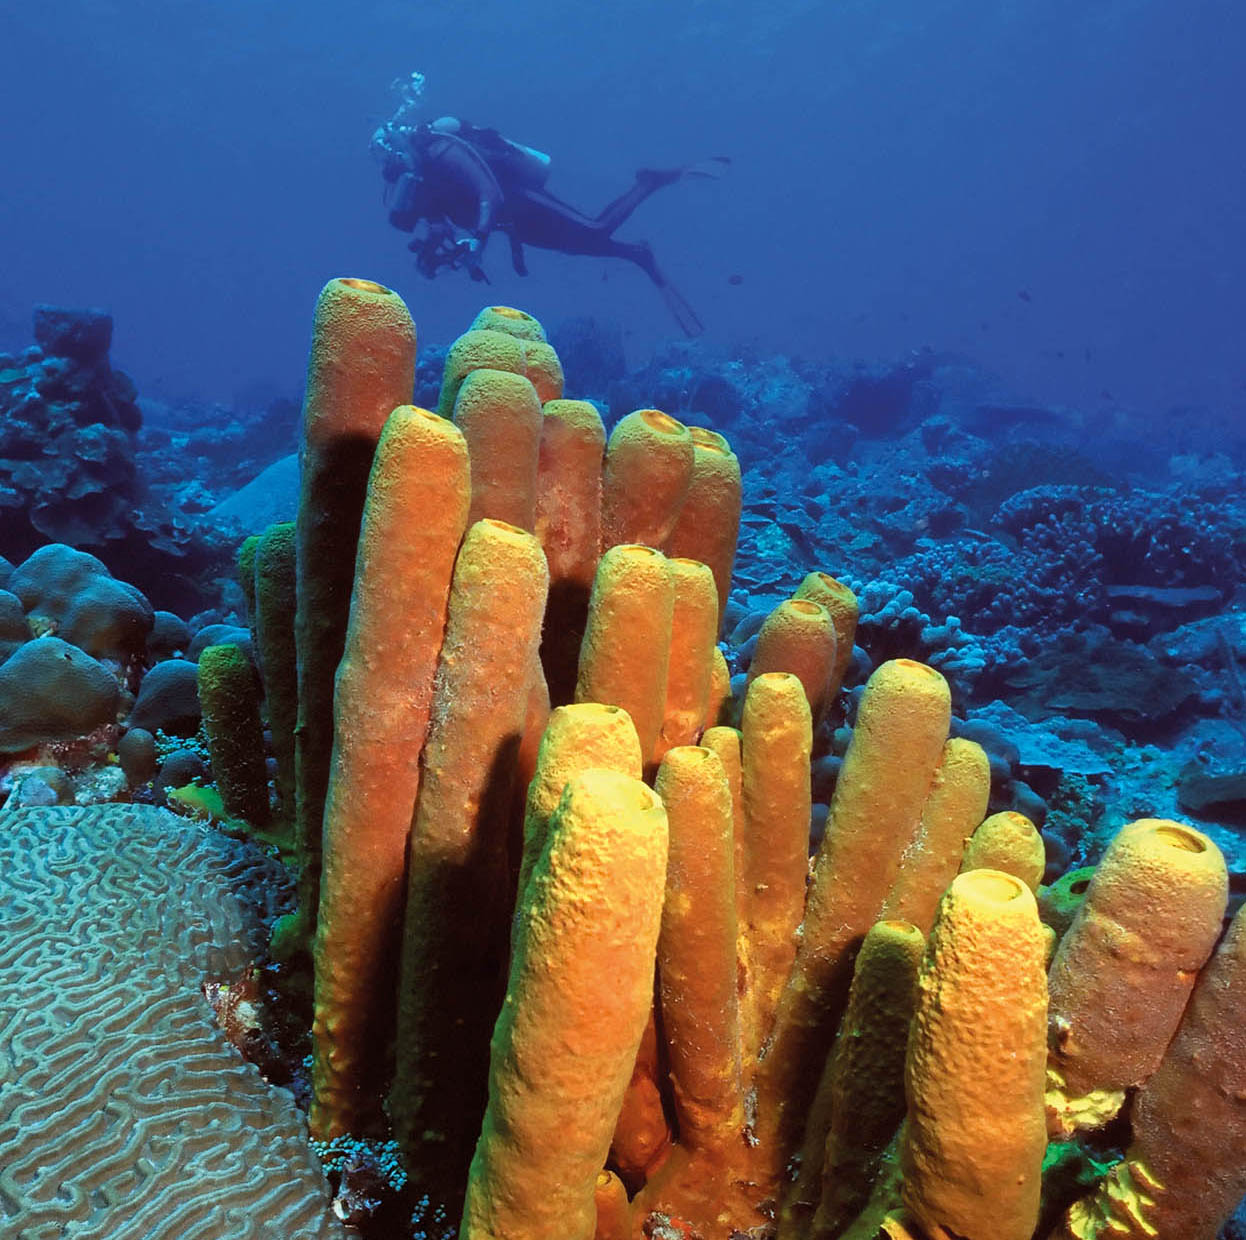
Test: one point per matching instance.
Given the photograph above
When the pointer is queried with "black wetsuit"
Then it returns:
(476, 182)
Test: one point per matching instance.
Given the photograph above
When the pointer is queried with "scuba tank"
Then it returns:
(511, 162)
(525, 165)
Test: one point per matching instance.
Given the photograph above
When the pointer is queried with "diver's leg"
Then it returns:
(517, 256)
(640, 254)
(649, 181)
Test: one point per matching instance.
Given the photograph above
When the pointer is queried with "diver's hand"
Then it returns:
(468, 253)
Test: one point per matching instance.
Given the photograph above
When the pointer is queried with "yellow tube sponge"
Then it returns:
(568, 523)
(416, 513)
(614, 1215)
(581, 737)
(625, 655)
(1123, 972)
(275, 605)
(726, 743)
(579, 994)
(361, 367)
(708, 524)
(955, 806)
(543, 369)
(860, 1100)
(798, 637)
(720, 690)
(694, 632)
(888, 771)
(1184, 1172)
(841, 605)
(459, 883)
(697, 985)
(642, 1134)
(500, 417)
(697, 953)
(477, 350)
(1010, 842)
(777, 733)
(975, 1137)
(648, 472)
(517, 323)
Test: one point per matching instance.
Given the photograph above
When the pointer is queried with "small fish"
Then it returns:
(1024, 294)
(1104, 394)
(735, 279)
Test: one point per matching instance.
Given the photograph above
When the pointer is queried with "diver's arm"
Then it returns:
(464, 164)
(407, 203)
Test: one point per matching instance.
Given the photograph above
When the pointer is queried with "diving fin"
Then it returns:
(712, 168)
(705, 169)
(684, 314)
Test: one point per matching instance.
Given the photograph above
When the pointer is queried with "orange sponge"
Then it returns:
(361, 368)
(799, 637)
(649, 463)
(451, 974)
(708, 524)
(579, 995)
(493, 349)
(1123, 972)
(720, 690)
(841, 606)
(500, 417)
(625, 655)
(417, 509)
(1184, 1172)
(860, 1100)
(727, 744)
(697, 952)
(777, 737)
(694, 630)
(887, 775)
(517, 323)
(568, 523)
(955, 806)
(477, 350)
(542, 367)
(974, 1142)
(1010, 842)
(576, 738)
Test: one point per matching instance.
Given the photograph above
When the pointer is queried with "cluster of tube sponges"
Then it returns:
(542, 866)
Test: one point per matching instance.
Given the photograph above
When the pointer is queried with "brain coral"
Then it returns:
(124, 1111)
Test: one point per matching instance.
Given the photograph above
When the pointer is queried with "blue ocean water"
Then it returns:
(1052, 188)
(972, 283)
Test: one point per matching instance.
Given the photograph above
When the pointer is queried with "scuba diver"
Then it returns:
(452, 184)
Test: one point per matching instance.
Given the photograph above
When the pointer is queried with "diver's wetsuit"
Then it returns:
(477, 181)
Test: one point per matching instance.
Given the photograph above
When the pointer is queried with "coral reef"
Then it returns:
(1048, 643)
(69, 471)
(67, 449)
